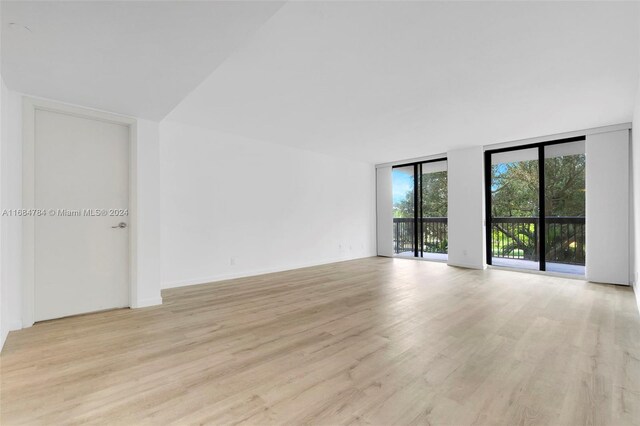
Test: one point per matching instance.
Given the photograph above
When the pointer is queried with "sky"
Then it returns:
(402, 183)
(502, 168)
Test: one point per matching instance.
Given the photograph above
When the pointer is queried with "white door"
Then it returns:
(81, 170)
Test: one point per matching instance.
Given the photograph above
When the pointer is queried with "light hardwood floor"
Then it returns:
(372, 341)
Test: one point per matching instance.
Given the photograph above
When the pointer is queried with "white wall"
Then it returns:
(3, 335)
(607, 209)
(11, 198)
(635, 199)
(466, 207)
(145, 269)
(235, 207)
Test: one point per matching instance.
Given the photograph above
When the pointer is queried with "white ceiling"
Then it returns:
(385, 81)
(134, 58)
(374, 81)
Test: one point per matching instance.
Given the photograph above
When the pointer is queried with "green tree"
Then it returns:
(434, 197)
(565, 186)
(433, 187)
(515, 192)
(514, 189)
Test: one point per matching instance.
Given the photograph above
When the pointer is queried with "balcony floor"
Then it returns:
(441, 257)
(560, 268)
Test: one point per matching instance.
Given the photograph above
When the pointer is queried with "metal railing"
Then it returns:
(432, 233)
(517, 238)
(512, 237)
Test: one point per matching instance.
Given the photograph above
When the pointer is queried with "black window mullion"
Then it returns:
(420, 210)
(487, 220)
(542, 225)
(416, 187)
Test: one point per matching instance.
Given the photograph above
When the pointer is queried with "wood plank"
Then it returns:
(372, 341)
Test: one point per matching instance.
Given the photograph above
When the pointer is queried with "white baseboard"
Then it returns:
(605, 281)
(252, 273)
(3, 338)
(466, 265)
(147, 302)
(15, 325)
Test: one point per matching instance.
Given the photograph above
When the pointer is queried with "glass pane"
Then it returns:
(403, 211)
(434, 203)
(564, 177)
(514, 209)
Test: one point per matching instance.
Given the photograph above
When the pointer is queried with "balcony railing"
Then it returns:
(434, 234)
(512, 237)
(517, 238)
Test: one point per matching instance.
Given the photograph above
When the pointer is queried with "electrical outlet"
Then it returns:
(232, 261)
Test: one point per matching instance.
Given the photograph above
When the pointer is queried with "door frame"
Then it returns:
(29, 108)
(542, 231)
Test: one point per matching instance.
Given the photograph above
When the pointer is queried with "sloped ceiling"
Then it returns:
(373, 81)
(385, 81)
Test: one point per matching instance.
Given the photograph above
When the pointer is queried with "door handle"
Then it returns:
(120, 225)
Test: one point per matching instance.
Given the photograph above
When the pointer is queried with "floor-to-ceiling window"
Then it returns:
(420, 210)
(536, 206)
(515, 190)
(404, 213)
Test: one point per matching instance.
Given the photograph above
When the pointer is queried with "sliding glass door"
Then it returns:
(404, 212)
(420, 210)
(433, 210)
(564, 179)
(536, 206)
(515, 188)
